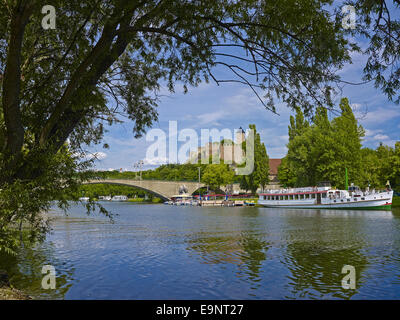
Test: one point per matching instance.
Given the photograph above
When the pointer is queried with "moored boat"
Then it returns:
(119, 198)
(325, 197)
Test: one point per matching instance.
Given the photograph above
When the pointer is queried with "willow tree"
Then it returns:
(107, 59)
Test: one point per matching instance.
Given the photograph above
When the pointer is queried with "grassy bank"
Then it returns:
(7, 292)
(154, 200)
(12, 294)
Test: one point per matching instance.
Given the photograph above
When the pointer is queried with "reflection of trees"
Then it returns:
(316, 252)
(25, 271)
(246, 250)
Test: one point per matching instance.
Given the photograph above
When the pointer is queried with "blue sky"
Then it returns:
(232, 106)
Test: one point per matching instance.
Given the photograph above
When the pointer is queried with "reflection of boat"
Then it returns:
(119, 198)
(327, 198)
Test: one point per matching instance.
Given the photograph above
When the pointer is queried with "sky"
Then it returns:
(231, 106)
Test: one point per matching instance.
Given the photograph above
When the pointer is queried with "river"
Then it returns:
(169, 252)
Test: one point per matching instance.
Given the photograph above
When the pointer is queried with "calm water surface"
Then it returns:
(169, 252)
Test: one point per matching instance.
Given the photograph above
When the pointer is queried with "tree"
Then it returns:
(389, 161)
(286, 175)
(395, 165)
(323, 150)
(217, 175)
(298, 163)
(370, 173)
(259, 177)
(110, 58)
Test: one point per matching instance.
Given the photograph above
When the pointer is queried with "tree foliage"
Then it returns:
(217, 175)
(378, 22)
(322, 150)
(259, 177)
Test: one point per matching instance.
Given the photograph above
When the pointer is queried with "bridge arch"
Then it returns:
(163, 197)
(162, 189)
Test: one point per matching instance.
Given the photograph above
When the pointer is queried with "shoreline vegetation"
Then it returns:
(396, 202)
(7, 292)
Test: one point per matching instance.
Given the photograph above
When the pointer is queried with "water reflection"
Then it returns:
(319, 244)
(246, 250)
(25, 271)
(169, 252)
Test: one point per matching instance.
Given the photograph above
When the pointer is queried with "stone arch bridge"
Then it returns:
(161, 188)
(164, 189)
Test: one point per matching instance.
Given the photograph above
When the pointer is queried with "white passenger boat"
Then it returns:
(325, 197)
(119, 198)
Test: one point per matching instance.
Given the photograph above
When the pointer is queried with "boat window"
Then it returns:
(348, 200)
(265, 197)
(362, 198)
(323, 195)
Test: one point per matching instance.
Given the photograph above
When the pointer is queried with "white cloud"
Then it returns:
(380, 137)
(155, 161)
(90, 155)
(377, 116)
(97, 155)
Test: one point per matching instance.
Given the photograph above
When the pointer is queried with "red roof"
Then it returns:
(273, 166)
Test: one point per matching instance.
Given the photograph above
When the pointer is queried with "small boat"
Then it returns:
(249, 203)
(181, 199)
(84, 199)
(239, 203)
(325, 197)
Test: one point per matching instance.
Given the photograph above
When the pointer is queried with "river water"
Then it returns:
(169, 252)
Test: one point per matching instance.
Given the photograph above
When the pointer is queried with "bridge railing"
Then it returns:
(155, 180)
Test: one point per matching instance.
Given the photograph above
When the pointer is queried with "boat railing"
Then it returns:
(292, 190)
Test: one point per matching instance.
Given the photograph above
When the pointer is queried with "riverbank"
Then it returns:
(396, 202)
(7, 292)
